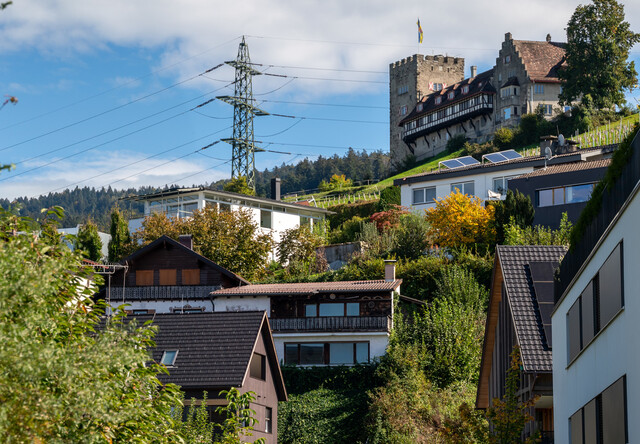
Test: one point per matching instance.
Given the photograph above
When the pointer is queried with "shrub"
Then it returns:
(389, 219)
(412, 236)
(456, 143)
(344, 212)
(478, 150)
(389, 197)
(516, 206)
(348, 231)
(503, 138)
(538, 235)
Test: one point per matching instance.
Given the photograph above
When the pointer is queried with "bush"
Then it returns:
(538, 235)
(347, 232)
(344, 212)
(456, 143)
(503, 138)
(516, 206)
(478, 150)
(412, 236)
(389, 197)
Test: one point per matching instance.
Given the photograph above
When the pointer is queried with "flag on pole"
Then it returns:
(420, 33)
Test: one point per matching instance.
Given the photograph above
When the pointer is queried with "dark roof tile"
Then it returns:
(310, 287)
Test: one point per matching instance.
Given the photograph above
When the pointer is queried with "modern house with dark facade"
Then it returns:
(216, 351)
(596, 357)
(520, 305)
(560, 189)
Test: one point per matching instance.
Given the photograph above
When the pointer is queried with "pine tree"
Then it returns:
(120, 243)
(88, 241)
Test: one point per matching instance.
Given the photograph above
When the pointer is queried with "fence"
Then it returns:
(611, 133)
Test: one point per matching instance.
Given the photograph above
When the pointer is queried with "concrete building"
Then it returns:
(524, 79)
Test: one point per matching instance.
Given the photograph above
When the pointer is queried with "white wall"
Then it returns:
(250, 303)
(163, 306)
(615, 350)
(482, 183)
(378, 341)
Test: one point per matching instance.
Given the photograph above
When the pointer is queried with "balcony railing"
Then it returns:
(470, 111)
(158, 293)
(331, 324)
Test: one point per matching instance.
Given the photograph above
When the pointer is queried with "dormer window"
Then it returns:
(438, 100)
(419, 107)
(169, 357)
(465, 89)
(450, 95)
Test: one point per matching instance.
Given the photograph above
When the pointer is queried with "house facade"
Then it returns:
(210, 352)
(519, 315)
(523, 80)
(321, 323)
(167, 276)
(490, 181)
(272, 216)
(596, 360)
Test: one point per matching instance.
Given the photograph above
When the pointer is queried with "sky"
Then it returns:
(107, 89)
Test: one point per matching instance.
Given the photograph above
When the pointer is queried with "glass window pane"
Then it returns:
(545, 198)
(469, 189)
(579, 193)
(265, 219)
(558, 196)
(588, 328)
(291, 354)
(353, 309)
(418, 196)
(573, 330)
(311, 310)
(430, 194)
(336, 309)
(362, 352)
(590, 423)
(456, 186)
(613, 413)
(610, 276)
(498, 185)
(311, 354)
(575, 426)
(169, 357)
(341, 353)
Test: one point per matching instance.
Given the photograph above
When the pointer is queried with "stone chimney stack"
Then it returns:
(474, 70)
(389, 270)
(186, 240)
(548, 38)
(275, 188)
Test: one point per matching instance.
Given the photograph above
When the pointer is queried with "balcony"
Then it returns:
(331, 324)
(162, 292)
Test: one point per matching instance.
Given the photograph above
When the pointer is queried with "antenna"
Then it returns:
(548, 153)
(244, 148)
(561, 140)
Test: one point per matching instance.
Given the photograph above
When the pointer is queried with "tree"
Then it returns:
(66, 375)
(195, 428)
(89, 242)
(517, 206)
(239, 185)
(239, 420)
(598, 44)
(538, 235)
(459, 220)
(337, 182)
(229, 238)
(120, 244)
(509, 415)
(297, 249)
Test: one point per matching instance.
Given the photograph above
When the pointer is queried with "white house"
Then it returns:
(488, 179)
(273, 216)
(596, 359)
(105, 238)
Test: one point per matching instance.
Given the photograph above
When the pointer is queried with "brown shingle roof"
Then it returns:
(541, 59)
(567, 168)
(525, 303)
(309, 287)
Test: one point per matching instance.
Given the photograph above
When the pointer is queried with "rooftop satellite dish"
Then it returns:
(561, 140)
(548, 154)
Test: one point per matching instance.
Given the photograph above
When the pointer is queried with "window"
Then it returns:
(501, 184)
(144, 277)
(268, 420)
(464, 188)
(353, 309)
(265, 219)
(167, 277)
(141, 311)
(332, 309)
(512, 73)
(169, 357)
(257, 366)
(187, 309)
(564, 195)
(465, 89)
(450, 95)
(507, 59)
(419, 107)
(597, 305)
(538, 88)
(438, 100)
(191, 276)
(224, 207)
(305, 221)
(506, 113)
(602, 420)
(547, 110)
(403, 110)
(331, 353)
(403, 89)
(311, 310)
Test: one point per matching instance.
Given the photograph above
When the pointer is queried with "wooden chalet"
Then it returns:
(520, 306)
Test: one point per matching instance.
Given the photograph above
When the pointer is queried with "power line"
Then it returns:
(107, 111)
(326, 104)
(321, 69)
(325, 78)
(164, 68)
(328, 119)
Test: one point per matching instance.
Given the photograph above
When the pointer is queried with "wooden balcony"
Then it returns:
(162, 292)
(331, 324)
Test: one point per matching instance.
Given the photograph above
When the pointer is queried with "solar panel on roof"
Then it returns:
(468, 160)
(459, 162)
(502, 156)
(452, 163)
(510, 154)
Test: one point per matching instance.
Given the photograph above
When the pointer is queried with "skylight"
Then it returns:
(169, 357)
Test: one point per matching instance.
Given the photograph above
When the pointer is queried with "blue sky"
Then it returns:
(106, 89)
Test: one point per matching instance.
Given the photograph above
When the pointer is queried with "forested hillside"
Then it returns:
(81, 204)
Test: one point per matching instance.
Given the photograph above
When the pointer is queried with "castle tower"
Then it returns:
(411, 79)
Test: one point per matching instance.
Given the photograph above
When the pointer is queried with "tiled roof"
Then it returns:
(481, 83)
(310, 287)
(481, 168)
(567, 168)
(541, 59)
(523, 301)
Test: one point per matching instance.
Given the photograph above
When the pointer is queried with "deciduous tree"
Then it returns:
(598, 43)
(89, 242)
(120, 244)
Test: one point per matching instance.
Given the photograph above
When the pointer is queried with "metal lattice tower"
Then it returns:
(243, 143)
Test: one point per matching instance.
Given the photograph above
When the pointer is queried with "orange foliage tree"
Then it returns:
(459, 220)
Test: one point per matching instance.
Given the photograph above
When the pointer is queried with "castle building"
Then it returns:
(431, 101)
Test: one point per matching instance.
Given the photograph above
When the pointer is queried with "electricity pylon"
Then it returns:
(243, 143)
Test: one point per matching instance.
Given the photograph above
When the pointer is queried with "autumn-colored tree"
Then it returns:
(459, 220)
(239, 185)
(337, 182)
(229, 238)
(385, 220)
(298, 247)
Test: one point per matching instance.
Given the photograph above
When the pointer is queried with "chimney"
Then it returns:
(389, 270)
(275, 188)
(507, 37)
(548, 38)
(474, 70)
(186, 240)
